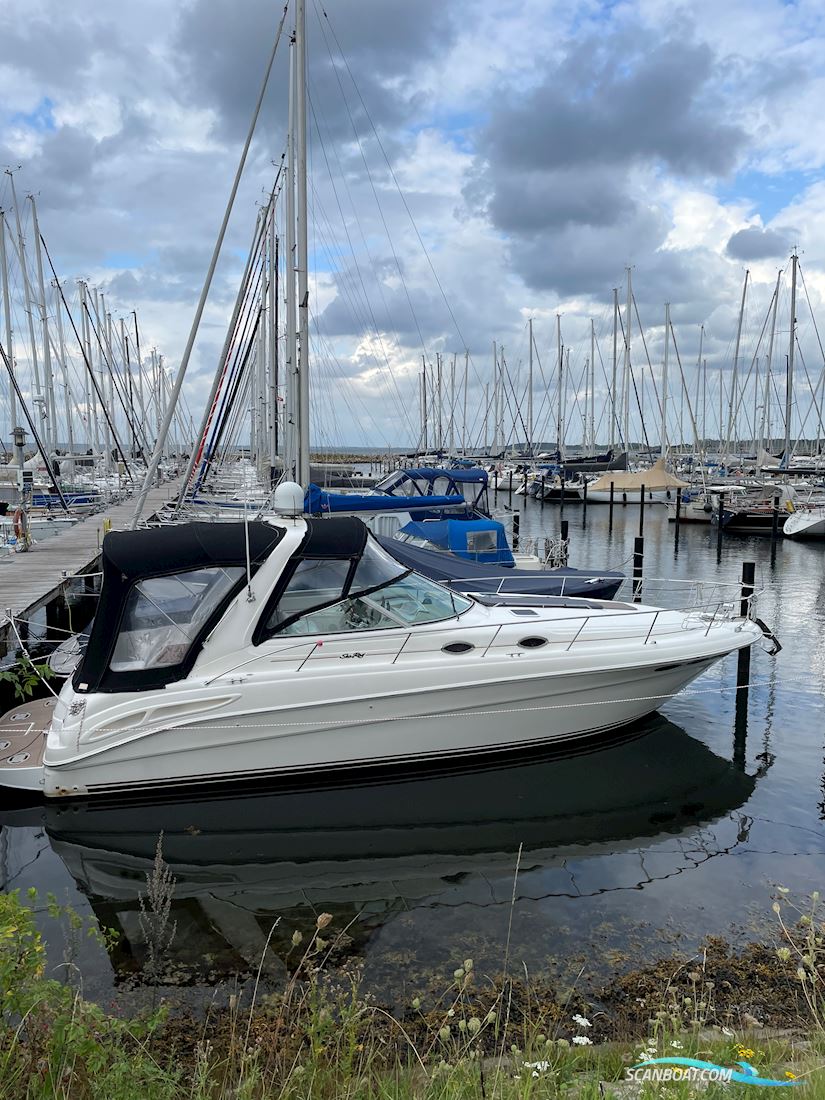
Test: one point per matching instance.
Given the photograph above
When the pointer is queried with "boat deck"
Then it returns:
(22, 733)
(30, 580)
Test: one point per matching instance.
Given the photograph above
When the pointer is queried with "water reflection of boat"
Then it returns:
(239, 863)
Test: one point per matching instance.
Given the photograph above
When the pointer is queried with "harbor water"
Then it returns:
(609, 856)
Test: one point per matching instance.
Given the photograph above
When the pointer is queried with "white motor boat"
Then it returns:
(235, 652)
(807, 521)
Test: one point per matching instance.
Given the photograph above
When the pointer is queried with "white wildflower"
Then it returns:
(542, 1066)
(582, 1041)
(582, 1021)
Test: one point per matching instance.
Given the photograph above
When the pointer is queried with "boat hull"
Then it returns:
(752, 522)
(805, 525)
(406, 728)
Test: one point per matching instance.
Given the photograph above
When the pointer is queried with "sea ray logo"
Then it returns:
(693, 1069)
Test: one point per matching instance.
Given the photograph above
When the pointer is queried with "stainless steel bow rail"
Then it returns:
(712, 614)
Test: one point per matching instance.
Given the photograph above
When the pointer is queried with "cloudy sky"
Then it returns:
(473, 164)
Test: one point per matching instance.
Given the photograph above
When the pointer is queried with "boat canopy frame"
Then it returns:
(129, 557)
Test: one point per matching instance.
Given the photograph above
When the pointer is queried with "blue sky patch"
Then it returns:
(41, 118)
(769, 193)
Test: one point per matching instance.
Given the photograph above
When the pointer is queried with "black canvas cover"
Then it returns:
(130, 556)
(336, 537)
(470, 576)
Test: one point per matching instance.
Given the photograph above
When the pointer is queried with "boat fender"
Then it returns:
(18, 523)
(708, 508)
(775, 644)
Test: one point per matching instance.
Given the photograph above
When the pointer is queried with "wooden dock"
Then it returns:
(30, 580)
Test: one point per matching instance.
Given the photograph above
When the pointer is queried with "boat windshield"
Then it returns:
(164, 615)
(408, 601)
(372, 592)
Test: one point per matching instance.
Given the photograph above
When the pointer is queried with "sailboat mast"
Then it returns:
(302, 257)
(592, 386)
(272, 426)
(4, 265)
(615, 367)
(291, 419)
(424, 404)
(495, 398)
(663, 437)
(452, 406)
(530, 394)
(37, 396)
(51, 422)
(766, 403)
(626, 377)
(464, 418)
(560, 364)
(439, 385)
(700, 384)
(67, 393)
(789, 377)
(732, 395)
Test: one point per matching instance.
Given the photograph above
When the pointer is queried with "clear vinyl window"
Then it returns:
(481, 542)
(407, 601)
(315, 581)
(164, 615)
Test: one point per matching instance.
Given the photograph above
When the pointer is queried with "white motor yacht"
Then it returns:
(233, 652)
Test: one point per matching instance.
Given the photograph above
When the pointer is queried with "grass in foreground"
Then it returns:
(321, 1036)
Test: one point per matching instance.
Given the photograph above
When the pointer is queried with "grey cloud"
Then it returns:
(223, 49)
(55, 49)
(756, 243)
(618, 100)
(528, 201)
(559, 168)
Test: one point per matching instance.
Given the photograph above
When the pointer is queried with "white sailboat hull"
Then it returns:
(805, 524)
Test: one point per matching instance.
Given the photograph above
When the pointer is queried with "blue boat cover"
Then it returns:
(318, 501)
(469, 576)
(429, 473)
(456, 536)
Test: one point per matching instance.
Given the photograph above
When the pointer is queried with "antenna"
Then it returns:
(250, 595)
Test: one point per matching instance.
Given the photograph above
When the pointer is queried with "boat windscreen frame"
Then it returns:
(316, 545)
(130, 557)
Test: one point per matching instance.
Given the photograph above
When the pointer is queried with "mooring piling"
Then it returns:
(678, 520)
(610, 512)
